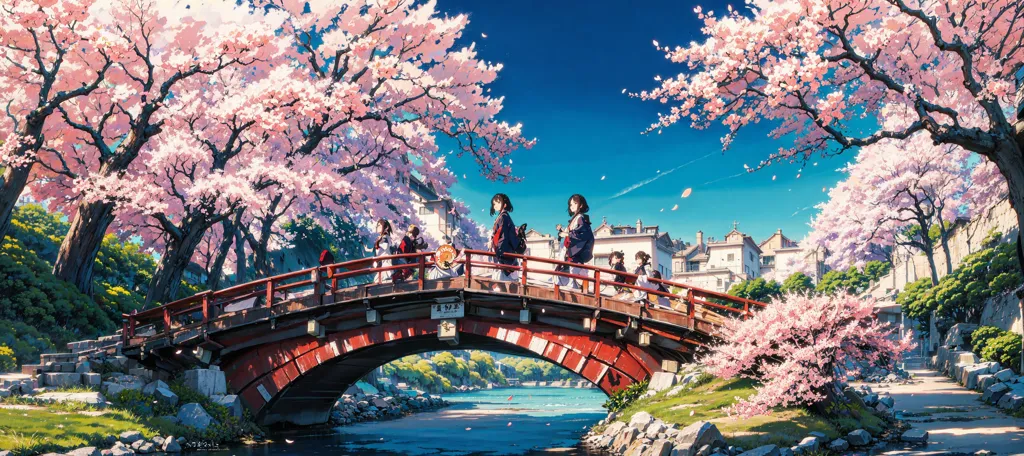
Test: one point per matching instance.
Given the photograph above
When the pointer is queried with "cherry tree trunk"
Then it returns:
(240, 267)
(217, 269)
(175, 259)
(77, 254)
(13, 183)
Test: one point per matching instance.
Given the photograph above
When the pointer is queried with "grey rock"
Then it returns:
(661, 381)
(838, 445)
(193, 415)
(887, 400)
(145, 448)
(820, 435)
(121, 451)
(207, 382)
(986, 381)
(1013, 399)
(151, 387)
(61, 379)
(995, 392)
(660, 447)
(637, 448)
(785, 452)
(137, 444)
(84, 451)
(767, 450)
(166, 396)
(641, 420)
(653, 429)
(871, 400)
(859, 437)
(93, 398)
(232, 402)
(83, 367)
(699, 434)
(91, 379)
(809, 444)
(171, 446)
(915, 436)
(158, 440)
(624, 439)
(1004, 375)
(130, 437)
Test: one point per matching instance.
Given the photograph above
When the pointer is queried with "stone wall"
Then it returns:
(1003, 312)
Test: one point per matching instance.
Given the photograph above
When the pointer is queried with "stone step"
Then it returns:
(47, 358)
(82, 345)
(32, 369)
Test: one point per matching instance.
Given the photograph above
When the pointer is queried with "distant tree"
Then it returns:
(757, 289)
(797, 282)
(916, 301)
(848, 281)
(874, 270)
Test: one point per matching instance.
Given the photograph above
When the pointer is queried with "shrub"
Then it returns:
(801, 347)
(994, 344)
(981, 336)
(7, 360)
(757, 289)
(797, 282)
(621, 399)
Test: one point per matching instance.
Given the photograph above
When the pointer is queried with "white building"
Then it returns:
(437, 221)
(717, 265)
(782, 256)
(629, 239)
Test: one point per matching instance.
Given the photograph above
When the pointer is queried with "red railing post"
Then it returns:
(423, 269)
(522, 279)
(334, 280)
(469, 270)
(746, 308)
(597, 287)
(206, 308)
(167, 319)
(689, 304)
(131, 326)
(270, 293)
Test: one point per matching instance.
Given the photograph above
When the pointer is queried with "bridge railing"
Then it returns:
(198, 310)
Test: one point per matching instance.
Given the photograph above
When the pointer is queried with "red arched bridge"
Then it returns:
(290, 345)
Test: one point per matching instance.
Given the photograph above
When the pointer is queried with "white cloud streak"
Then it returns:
(658, 176)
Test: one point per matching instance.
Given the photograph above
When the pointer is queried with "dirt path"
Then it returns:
(955, 418)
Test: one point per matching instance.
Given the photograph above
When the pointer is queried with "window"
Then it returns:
(718, 281)
(731, 257)
(768, 260)
(425, 210)
(751, 256)
(694, 266)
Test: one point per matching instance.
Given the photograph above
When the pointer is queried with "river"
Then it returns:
(535, 420)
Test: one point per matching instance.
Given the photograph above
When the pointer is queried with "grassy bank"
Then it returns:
(784, 427)
(28, 429)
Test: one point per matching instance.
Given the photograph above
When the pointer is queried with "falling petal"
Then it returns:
(798, 175)
(623, 90)
(549, 424)
(822, 188)
(675, 207)
(510, 161)
(658, 172)
(691, 412)
(815, 163)
(657, 78)
(289, 441)
(662, 210)
(510, 424)
(773, 177)
(745, 166)
(602, 177)
(463, 176)
(483, 35)
(469, 428)
(655, 43)
(382, 439)
(687, 192)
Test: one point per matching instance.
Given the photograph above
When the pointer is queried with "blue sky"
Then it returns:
(565, 65)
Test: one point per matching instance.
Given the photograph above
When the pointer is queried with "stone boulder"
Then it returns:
(969, 377)
(171, 445)
(809, 444)
(195, 416)
(614, 429)
(85, 451)
(699, 434)
(767, 450)
(208, 382)
(624, 439)
(838, 445)
(955, 335)
(660, 447)
(151, 387)
(93, 398)
(995, 392)
(661, 381)
(130, 437)
(166, 396)
(859, 437)
(61, 379)
(641, 420)
(915, 436)
(232, 402)
(92, 379)
(1013, 399)
(1004, 375)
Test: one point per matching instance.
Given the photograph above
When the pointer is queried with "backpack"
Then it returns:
(521, 234)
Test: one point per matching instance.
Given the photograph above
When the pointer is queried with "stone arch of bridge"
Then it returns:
(296, 381)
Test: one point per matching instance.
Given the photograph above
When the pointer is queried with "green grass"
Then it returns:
(783, 427)
(49, 430)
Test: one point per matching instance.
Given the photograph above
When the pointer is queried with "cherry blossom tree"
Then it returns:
(48, 59)
(941, 68)
(899, 193)
(391, 67)
(157, 48)
(801, 347)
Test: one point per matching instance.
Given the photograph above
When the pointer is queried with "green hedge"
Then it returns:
(994, 344)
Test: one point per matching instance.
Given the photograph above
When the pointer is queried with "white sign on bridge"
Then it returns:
(444, 310)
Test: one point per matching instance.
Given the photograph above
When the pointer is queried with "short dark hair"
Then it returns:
(616, 254)
(506, 204)
(584, 208)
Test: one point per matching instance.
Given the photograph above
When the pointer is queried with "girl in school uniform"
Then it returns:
(579, 237)
(616, 260)
(662, 301)
(643, 260)
(503, 238)
(411, 243)
(381, 248)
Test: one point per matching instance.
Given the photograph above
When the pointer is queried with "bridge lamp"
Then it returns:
(448, 331)
(372, 316)
(644, 338)
(204, 355)
(315, 329)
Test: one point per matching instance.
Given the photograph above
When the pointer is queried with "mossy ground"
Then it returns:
(783, 427)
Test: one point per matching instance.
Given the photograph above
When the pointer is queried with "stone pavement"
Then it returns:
(956, 420)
